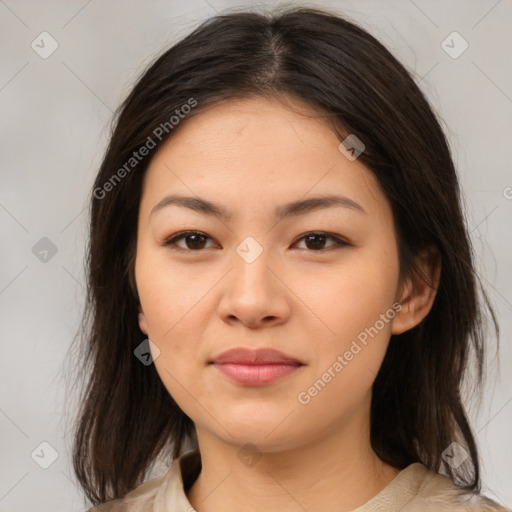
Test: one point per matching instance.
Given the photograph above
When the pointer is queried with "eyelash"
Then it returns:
(183, 234)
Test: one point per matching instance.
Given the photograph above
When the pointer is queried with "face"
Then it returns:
(317, 284)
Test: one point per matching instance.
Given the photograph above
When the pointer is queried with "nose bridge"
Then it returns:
(253, 293)
(251, 269)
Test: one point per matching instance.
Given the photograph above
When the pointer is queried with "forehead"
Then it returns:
(255, 154)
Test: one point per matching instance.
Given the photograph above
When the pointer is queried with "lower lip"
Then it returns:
(255, 375)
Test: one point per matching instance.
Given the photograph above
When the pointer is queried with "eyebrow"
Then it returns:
(294, 208)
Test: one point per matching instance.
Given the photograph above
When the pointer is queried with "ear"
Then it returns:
(416, 295)
(142, 321)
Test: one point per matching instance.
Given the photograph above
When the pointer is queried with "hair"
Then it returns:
(126, 416)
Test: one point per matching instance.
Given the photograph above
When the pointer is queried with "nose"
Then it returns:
(255, 294)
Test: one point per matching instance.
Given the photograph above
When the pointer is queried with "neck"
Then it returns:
(337, 471)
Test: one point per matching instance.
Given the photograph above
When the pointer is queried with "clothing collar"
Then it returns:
(414, 489)
(185, 469)
(179, 478)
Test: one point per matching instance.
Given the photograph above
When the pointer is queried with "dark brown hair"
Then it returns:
(127, 417)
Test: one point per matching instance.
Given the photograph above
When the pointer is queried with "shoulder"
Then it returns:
(437, 492)
(140, 498)
(162, 494)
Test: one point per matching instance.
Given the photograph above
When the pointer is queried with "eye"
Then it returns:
(196, 240)
(316, 240)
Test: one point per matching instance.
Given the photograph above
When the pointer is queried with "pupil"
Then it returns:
(316, 244)
(196, 243)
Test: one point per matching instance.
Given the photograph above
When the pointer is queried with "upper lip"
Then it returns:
(258, 356)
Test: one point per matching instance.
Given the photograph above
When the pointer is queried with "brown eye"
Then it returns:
(316, 241)
(194, 240)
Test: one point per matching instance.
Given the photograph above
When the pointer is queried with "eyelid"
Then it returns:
(338, 240)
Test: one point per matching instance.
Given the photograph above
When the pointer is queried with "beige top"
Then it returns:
(414, 489)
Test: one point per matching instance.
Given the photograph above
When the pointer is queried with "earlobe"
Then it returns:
(418, 293)
(142, 321)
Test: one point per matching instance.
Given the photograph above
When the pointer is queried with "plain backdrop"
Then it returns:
(55, 114)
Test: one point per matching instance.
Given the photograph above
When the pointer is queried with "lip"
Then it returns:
(255, 367)
(260, 356)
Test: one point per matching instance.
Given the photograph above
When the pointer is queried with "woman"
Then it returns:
(281, 287)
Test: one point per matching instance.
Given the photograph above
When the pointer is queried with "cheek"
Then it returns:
(352, 296)
(169, 295)
(175, 306)
(356, 309)
(345, 369)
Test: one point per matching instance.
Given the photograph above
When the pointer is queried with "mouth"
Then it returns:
(255, 367)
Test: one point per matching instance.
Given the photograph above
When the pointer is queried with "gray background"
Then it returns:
(55, 114)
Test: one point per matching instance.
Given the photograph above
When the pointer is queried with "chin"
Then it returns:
(268, 432)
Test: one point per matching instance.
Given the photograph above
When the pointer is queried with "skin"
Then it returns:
(249, 156)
